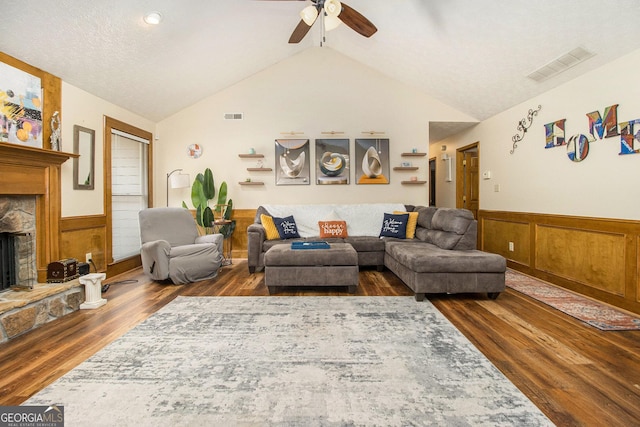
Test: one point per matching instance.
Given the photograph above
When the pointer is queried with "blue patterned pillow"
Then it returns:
(286, 227)
(394, 225)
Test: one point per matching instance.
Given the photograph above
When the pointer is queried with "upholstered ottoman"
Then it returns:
(336, 266)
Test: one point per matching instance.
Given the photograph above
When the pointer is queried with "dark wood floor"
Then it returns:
(576, 374)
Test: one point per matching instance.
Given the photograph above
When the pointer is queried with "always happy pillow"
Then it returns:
(332, 229)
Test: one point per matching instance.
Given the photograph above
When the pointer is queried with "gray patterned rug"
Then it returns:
(291, 361)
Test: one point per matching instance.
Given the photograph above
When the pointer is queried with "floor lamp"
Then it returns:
(181, 180)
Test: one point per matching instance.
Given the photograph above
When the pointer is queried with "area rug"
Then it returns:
(598, 315)
(291, 361)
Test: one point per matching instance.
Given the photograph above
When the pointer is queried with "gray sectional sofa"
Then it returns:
(441, 258)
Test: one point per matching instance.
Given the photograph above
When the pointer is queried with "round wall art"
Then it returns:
(194, 151)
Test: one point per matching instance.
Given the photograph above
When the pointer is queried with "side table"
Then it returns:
(227, 243)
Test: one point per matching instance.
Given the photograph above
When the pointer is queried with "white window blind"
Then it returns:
(129, 192)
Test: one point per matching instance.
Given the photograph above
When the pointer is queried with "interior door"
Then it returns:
(468, 178)
(471, 173)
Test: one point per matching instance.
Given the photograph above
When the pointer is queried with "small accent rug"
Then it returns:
(291, 361)
(598, 315)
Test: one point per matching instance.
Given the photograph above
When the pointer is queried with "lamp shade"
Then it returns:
(180, 180)
(332, 8)
(309, 15)
(331, 22)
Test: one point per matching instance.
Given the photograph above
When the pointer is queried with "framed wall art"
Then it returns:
(20, 107)
(372, 160)
(292, 162)
(332, 161)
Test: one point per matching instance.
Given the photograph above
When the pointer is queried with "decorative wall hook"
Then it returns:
(523, 126)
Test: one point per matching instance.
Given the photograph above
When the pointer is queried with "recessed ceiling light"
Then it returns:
(153, 18)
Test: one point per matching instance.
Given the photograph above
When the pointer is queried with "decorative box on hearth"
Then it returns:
(62, 271)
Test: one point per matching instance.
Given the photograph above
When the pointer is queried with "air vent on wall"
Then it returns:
(233, 116)
(560, 64)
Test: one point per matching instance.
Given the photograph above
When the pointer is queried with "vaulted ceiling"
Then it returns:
(474, 55)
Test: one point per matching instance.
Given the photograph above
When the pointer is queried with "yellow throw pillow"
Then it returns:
(269, 227)
(411, 224)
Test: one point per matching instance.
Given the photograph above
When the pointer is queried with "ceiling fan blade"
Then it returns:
(356, 21)
(299, 32)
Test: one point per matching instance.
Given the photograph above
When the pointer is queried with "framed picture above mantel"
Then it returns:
(50, 101)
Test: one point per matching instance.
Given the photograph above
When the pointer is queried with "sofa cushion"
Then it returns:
(271, 232)
(412, 224)
(394, 225)
(428, 258)
(332, 229)
(286, 227)
(452, 220)
(425, 214)
(365, 243)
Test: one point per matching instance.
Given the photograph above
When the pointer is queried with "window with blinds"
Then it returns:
(129, 191)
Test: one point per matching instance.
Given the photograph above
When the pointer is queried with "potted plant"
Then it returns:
(203, 191)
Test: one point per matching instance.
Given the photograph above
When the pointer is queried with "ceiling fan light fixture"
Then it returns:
(332, 8)
(309, 15)
(153, 18)
(331, 22)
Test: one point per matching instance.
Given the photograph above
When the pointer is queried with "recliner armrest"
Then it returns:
(155, 259)
(217, 239)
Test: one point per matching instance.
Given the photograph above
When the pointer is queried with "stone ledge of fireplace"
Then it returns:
(24, 310)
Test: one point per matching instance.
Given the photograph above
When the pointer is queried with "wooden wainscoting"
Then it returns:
(597, 257)
(244, 218)
(82, 234)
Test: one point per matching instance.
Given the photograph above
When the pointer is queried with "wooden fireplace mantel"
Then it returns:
(35, 171)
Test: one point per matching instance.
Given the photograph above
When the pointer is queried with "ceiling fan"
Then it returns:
(334, 12)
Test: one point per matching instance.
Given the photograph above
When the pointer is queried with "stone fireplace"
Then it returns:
(30, 213)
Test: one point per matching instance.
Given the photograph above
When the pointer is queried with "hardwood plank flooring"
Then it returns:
(576, 374)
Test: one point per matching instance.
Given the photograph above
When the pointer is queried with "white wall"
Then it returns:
(82, 108)
(539, 180)
(317, 90)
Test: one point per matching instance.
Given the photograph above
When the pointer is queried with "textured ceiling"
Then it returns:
(471, 54)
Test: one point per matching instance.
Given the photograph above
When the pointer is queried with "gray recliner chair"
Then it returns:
(172, 249)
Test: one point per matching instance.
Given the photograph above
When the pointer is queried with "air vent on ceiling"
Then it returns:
(560, 64)
(233, 116)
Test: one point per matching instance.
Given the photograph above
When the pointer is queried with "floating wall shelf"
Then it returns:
(259, 169)
(406, 168)
(414, 182)
(251, 156)
(414, 154)
(251, 183)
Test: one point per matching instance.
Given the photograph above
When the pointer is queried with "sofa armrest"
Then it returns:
(256, 235)
(155, 259)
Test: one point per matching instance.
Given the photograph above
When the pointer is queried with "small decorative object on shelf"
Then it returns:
(55, 131)
(252, 151)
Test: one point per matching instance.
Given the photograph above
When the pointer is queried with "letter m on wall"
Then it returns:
(599, 126)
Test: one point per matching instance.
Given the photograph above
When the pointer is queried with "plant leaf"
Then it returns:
(222, 194)
(207, 217)
(228, 211)
(208, 185)
(197, 195)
